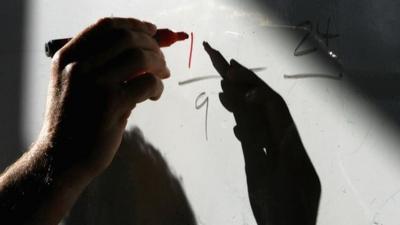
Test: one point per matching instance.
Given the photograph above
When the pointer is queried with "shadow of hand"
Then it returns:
(283, 186)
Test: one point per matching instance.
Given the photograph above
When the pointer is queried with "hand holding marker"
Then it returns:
(164, 38)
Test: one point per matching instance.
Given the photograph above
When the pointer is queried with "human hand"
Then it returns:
(97, 79)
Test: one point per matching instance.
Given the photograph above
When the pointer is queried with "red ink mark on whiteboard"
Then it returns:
(191, 49)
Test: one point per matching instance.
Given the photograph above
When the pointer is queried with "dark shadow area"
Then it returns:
(283, 186)
(12, 14)
(138, 188)
(367, 46)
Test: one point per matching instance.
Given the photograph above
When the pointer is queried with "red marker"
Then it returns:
(164, 37)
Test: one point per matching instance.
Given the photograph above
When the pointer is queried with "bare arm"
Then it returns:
(36, 191)
(96, 80)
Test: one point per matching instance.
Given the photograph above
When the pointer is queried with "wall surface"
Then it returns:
(11, 76)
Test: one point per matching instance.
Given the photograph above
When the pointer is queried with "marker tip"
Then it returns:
(182, 36)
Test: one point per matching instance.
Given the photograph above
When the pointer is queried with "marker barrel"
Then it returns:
(53, 46)
(164, 38)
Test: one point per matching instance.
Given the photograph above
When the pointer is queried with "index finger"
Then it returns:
(132, 24)
(217, 59)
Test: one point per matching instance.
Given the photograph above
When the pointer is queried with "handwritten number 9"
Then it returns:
(199, 104)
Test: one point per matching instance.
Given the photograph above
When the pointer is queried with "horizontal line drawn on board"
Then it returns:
(196, 79)
(313, 75)
(313, 31)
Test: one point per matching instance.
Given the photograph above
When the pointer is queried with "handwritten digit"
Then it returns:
(200, 105)
(191, 49)
(297, 52)
(326, 35)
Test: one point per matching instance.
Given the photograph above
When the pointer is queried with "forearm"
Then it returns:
(36, 191)
(97, 79)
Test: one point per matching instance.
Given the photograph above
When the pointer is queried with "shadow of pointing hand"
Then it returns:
(283, 186)
(261, 114)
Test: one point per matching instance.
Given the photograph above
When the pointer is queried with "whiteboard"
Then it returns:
(352, 145)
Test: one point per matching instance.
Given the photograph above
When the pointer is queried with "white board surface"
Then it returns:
(353, 147)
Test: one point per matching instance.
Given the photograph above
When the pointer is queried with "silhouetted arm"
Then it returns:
(283, 186)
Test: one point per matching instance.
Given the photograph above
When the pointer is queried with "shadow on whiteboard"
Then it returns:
(282, 184)
(138, 188)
